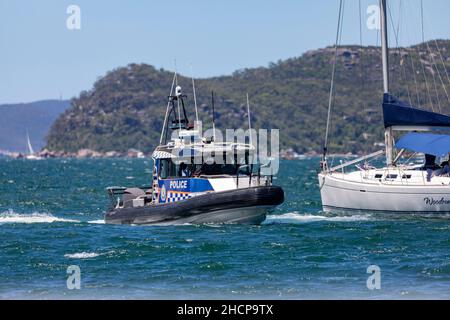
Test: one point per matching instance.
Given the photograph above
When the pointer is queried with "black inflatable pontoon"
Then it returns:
(244, 206)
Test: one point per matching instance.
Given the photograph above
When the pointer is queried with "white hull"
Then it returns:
(337, 193)
(33, 157)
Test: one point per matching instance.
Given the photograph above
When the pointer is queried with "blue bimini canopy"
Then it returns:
(398, 113)
(434, 144)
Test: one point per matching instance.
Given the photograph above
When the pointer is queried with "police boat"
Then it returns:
(197, 180)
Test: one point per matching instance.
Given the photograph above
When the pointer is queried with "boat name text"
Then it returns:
(433, 202)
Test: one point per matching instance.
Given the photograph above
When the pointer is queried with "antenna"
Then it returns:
(195, 96)
(249, 121)
(167, 108)
(213, 117)
(178, 94)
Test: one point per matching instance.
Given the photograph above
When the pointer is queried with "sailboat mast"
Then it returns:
(388, 136)
(330, 100)
(384, 45)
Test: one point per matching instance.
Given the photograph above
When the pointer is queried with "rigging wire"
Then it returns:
(410, 55)
(439, 73)
(399, 17)
(361, 61)
(434, 78)
(413, 67)
(411, 59)
(442, 60)
(195, 95)
(426, 81)
(403, 73)
(342, 23)
(444, 87)
(421, 16)
(434, 66)
(420, 58)
(330, 101)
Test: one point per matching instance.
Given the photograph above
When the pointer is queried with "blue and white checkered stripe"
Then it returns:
(177, 196)
(162, 155)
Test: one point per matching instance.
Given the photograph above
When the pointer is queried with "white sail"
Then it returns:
(30, 147)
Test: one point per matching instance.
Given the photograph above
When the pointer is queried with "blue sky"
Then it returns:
(41, 59)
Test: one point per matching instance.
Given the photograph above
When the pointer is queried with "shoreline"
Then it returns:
(137, 154)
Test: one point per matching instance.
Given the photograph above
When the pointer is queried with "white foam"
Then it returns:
(13, 217)
(101, 221)
(82, 255)
(296, 218)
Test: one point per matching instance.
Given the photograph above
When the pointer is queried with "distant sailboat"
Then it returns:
(31, 154)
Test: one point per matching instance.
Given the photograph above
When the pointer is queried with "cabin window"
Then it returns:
(169, 169)
(231, 165)
(182, 170)
(164, 168)
(391, 176)
(406, 176)
(378, 176)
(215, 169)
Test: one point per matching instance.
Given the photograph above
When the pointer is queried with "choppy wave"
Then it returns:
(82, 255)
(297, 218)
(13, 217)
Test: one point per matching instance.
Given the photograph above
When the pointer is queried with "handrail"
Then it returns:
(344, 165)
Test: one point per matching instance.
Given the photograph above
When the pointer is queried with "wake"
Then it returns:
(297, 218)
(14, 217)
(11, 217)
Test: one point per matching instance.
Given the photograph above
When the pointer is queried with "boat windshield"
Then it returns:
(171, 169)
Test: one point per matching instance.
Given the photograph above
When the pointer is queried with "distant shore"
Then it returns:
(80, 154)
(288, 154)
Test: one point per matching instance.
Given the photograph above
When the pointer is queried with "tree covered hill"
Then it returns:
(125, 108)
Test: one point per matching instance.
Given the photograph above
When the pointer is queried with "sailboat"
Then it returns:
(395, 187)
(31, 154)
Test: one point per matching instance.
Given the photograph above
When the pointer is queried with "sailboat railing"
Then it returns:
(346, 164)
(401, 172)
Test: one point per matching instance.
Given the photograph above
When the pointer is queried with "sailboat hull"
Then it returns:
(340, 195)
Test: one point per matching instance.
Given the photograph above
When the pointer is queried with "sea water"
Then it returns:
(51, 218)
